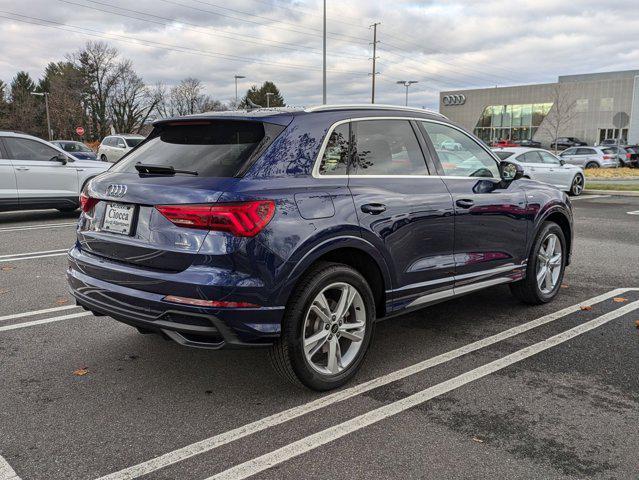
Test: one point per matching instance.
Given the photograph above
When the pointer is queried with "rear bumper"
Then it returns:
(190, 326)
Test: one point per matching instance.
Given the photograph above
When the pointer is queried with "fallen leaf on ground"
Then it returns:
(564, 285)
(2, 291)
(586, 307)
(637, 324)
(6, 268)
(478, 440)
(131, 357)
(619, 299)
(61, 301)
(80, 372)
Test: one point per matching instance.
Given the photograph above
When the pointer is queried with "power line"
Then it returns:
(159, 45)
(200, 28)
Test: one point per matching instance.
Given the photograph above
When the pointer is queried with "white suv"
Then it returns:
(114, 147)
(35, 174)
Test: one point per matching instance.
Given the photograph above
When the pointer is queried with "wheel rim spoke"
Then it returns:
(334, 356)
(541, 274)
(353, 336)
(320, 313)
(345, 301)
(549, 263)
(321, 301)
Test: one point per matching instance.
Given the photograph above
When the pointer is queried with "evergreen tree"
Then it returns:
(258, 96)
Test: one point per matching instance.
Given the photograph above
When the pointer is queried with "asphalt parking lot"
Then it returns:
(480, 387)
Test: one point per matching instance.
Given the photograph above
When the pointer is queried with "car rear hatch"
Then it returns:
(184, 165)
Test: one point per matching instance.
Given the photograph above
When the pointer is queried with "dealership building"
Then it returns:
(592, 107)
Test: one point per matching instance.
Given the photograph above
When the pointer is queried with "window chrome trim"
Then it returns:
(316, 174)
(372, 106)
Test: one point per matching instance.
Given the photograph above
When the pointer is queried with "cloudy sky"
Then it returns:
(443, 45)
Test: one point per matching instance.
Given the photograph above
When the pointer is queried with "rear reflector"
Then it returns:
(197, 302)
(87, 203)
(245, 219)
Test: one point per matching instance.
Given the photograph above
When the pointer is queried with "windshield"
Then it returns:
(213, 149)
(75, 147)
(504, 155)
(132, 142)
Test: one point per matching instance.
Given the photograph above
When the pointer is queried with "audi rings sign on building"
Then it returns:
(116, 190)
(449, 100)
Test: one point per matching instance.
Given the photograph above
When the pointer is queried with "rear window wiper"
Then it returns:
(161, 169)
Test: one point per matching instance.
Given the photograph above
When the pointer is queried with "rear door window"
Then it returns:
(386, 147)
(218, 148)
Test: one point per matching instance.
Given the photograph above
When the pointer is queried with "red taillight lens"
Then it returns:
(245, 219)
(628, 156)
(198, 302)
(87, 203)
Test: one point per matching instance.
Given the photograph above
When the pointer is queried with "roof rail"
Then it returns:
(371, 106)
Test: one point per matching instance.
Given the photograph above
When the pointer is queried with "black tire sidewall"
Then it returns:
(296, 313)
(546, 229)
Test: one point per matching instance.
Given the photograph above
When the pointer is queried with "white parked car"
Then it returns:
(34, 174)
(114, 147)
(543, 166)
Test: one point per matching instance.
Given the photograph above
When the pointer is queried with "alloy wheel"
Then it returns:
(334, 328)
(577, 185)
(549, 263)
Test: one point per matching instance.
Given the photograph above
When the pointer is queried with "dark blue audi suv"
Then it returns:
(297, 229)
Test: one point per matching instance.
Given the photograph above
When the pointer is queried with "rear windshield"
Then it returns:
(132, 142)
(212, 149)
(503, 155)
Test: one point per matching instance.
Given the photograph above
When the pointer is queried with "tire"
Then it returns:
(592, 165)
(528, 290)
(288, 355)
(577, 185)
(103, 158)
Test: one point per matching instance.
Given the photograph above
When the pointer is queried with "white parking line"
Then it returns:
(36, 312)
(43, 321)
(6, 472)
(589, 197)
(634, 212)
(216, 441)
(14, 257)
(37, 227)
(269, 460)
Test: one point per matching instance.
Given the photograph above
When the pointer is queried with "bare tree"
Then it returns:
(130, 101)
(561, 114)
(187, 97)
(100, 69)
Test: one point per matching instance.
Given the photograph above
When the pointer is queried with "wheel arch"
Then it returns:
(352, 251)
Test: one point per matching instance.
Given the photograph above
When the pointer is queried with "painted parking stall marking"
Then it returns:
(311, 442)
(6, 472)
(15, 257)
(37, 227)
(219, 440)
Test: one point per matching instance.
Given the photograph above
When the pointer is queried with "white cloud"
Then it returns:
(443, 45)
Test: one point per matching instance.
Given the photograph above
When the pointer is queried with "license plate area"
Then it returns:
(118, 218)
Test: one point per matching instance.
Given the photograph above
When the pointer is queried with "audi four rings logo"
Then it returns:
(116, 190)
(454, 99)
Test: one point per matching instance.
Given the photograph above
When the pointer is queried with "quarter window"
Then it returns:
(25, 149)
(387, 147)
(459, 154)
(335, 159)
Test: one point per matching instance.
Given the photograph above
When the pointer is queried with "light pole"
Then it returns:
(324, 60)
(406, 84)
(268, 98)
(236, 78)
(46, 107)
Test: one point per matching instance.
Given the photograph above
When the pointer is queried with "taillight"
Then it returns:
(198, 302)
(628, 156)
(87, 203)
(245, 219)
(608, 157)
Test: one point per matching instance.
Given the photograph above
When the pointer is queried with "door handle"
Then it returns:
(80, 169)
(464, 203)
(374, 208)
(22, 169)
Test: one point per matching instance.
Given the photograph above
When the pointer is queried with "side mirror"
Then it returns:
(510, 171)
(562, 162)
(62, 158)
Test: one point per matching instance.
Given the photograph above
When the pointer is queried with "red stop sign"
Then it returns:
(79, 131)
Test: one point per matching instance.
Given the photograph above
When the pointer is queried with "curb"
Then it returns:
(619, 193)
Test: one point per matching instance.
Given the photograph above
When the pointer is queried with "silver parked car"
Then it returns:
(35, 174)
(543, 166)
(591, 157)
(114, 147)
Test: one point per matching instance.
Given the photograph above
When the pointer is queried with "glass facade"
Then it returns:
(511, 122)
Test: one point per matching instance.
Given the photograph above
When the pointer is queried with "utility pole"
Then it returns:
(406, 84)
(268, 98)
(375, 42)
(46, 107)
(236, 78)
(324, 60)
